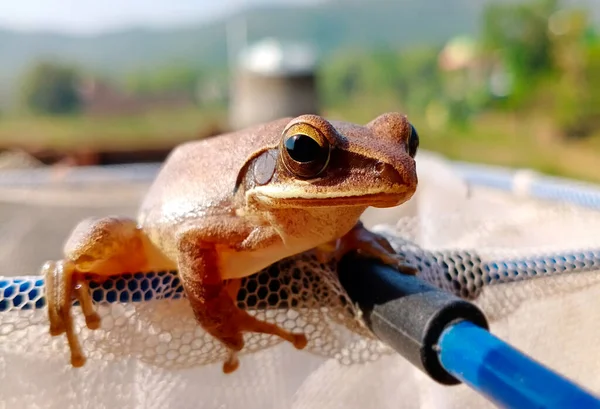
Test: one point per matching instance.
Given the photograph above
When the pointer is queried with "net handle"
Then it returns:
(27, 292)
(448, 339)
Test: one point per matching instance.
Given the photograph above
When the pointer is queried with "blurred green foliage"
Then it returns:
(532, 58)
(409, 77)
(518, 35)
(51, 88)
(167, 79)
(522, 92)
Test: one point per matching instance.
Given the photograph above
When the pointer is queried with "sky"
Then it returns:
(94, 16)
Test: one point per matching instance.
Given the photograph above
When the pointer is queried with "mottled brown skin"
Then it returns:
(224, 208)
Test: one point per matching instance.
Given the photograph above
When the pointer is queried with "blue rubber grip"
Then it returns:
(504, 375)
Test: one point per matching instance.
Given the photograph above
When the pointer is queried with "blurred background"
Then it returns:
(513, 83)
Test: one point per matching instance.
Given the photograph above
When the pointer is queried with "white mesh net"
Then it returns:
(510, 254)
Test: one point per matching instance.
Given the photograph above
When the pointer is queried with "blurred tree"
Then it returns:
(51, 88)
(518, 33)
(340, 78)
(593, 83)
(575, 89)
(419, 80)
(405, 80)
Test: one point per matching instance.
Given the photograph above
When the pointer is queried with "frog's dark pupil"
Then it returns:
(302, 148)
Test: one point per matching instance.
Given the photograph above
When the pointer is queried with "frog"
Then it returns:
(222, 208)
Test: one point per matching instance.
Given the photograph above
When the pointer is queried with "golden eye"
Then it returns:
(305, 151)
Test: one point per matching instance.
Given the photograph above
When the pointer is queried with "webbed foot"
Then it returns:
(369, 244)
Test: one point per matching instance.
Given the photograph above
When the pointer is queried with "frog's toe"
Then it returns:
(77, 360)
(49, 271)
(382, 242)
(406, 268)
(82, 292)
(395, 260)
(93, 321)
(232, 363)
(299, 341)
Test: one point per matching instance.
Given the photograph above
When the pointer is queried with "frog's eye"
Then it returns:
(413, 142)
(305, 151)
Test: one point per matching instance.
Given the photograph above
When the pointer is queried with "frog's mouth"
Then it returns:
(271, 197)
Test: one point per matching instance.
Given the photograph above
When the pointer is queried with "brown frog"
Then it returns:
(224, 208)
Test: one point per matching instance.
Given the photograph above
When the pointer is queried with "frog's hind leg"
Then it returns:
(214, 301)
(96, 247)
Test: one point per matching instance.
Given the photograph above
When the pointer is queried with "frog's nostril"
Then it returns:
(389, 173)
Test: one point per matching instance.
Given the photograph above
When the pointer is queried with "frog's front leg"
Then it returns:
(100, 248)
(367, 243)
(201, 251)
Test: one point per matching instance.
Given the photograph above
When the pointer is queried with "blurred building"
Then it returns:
(102, 98)
(273, 79)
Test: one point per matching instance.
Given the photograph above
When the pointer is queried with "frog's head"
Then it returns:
(317, 163)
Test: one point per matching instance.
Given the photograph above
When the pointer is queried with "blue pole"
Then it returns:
(503, 374)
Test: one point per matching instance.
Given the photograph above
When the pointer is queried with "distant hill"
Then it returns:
(331, 26)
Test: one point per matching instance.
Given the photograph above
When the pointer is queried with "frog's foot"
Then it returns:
(62, 285)
(214, 303)
(372, 245)
(100, 248)
(220, 317)
(232, 336)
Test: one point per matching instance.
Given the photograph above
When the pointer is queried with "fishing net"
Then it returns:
(531, 265)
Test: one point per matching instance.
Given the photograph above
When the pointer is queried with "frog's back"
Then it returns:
(198, 177)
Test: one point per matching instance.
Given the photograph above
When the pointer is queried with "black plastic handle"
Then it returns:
(405, 312)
